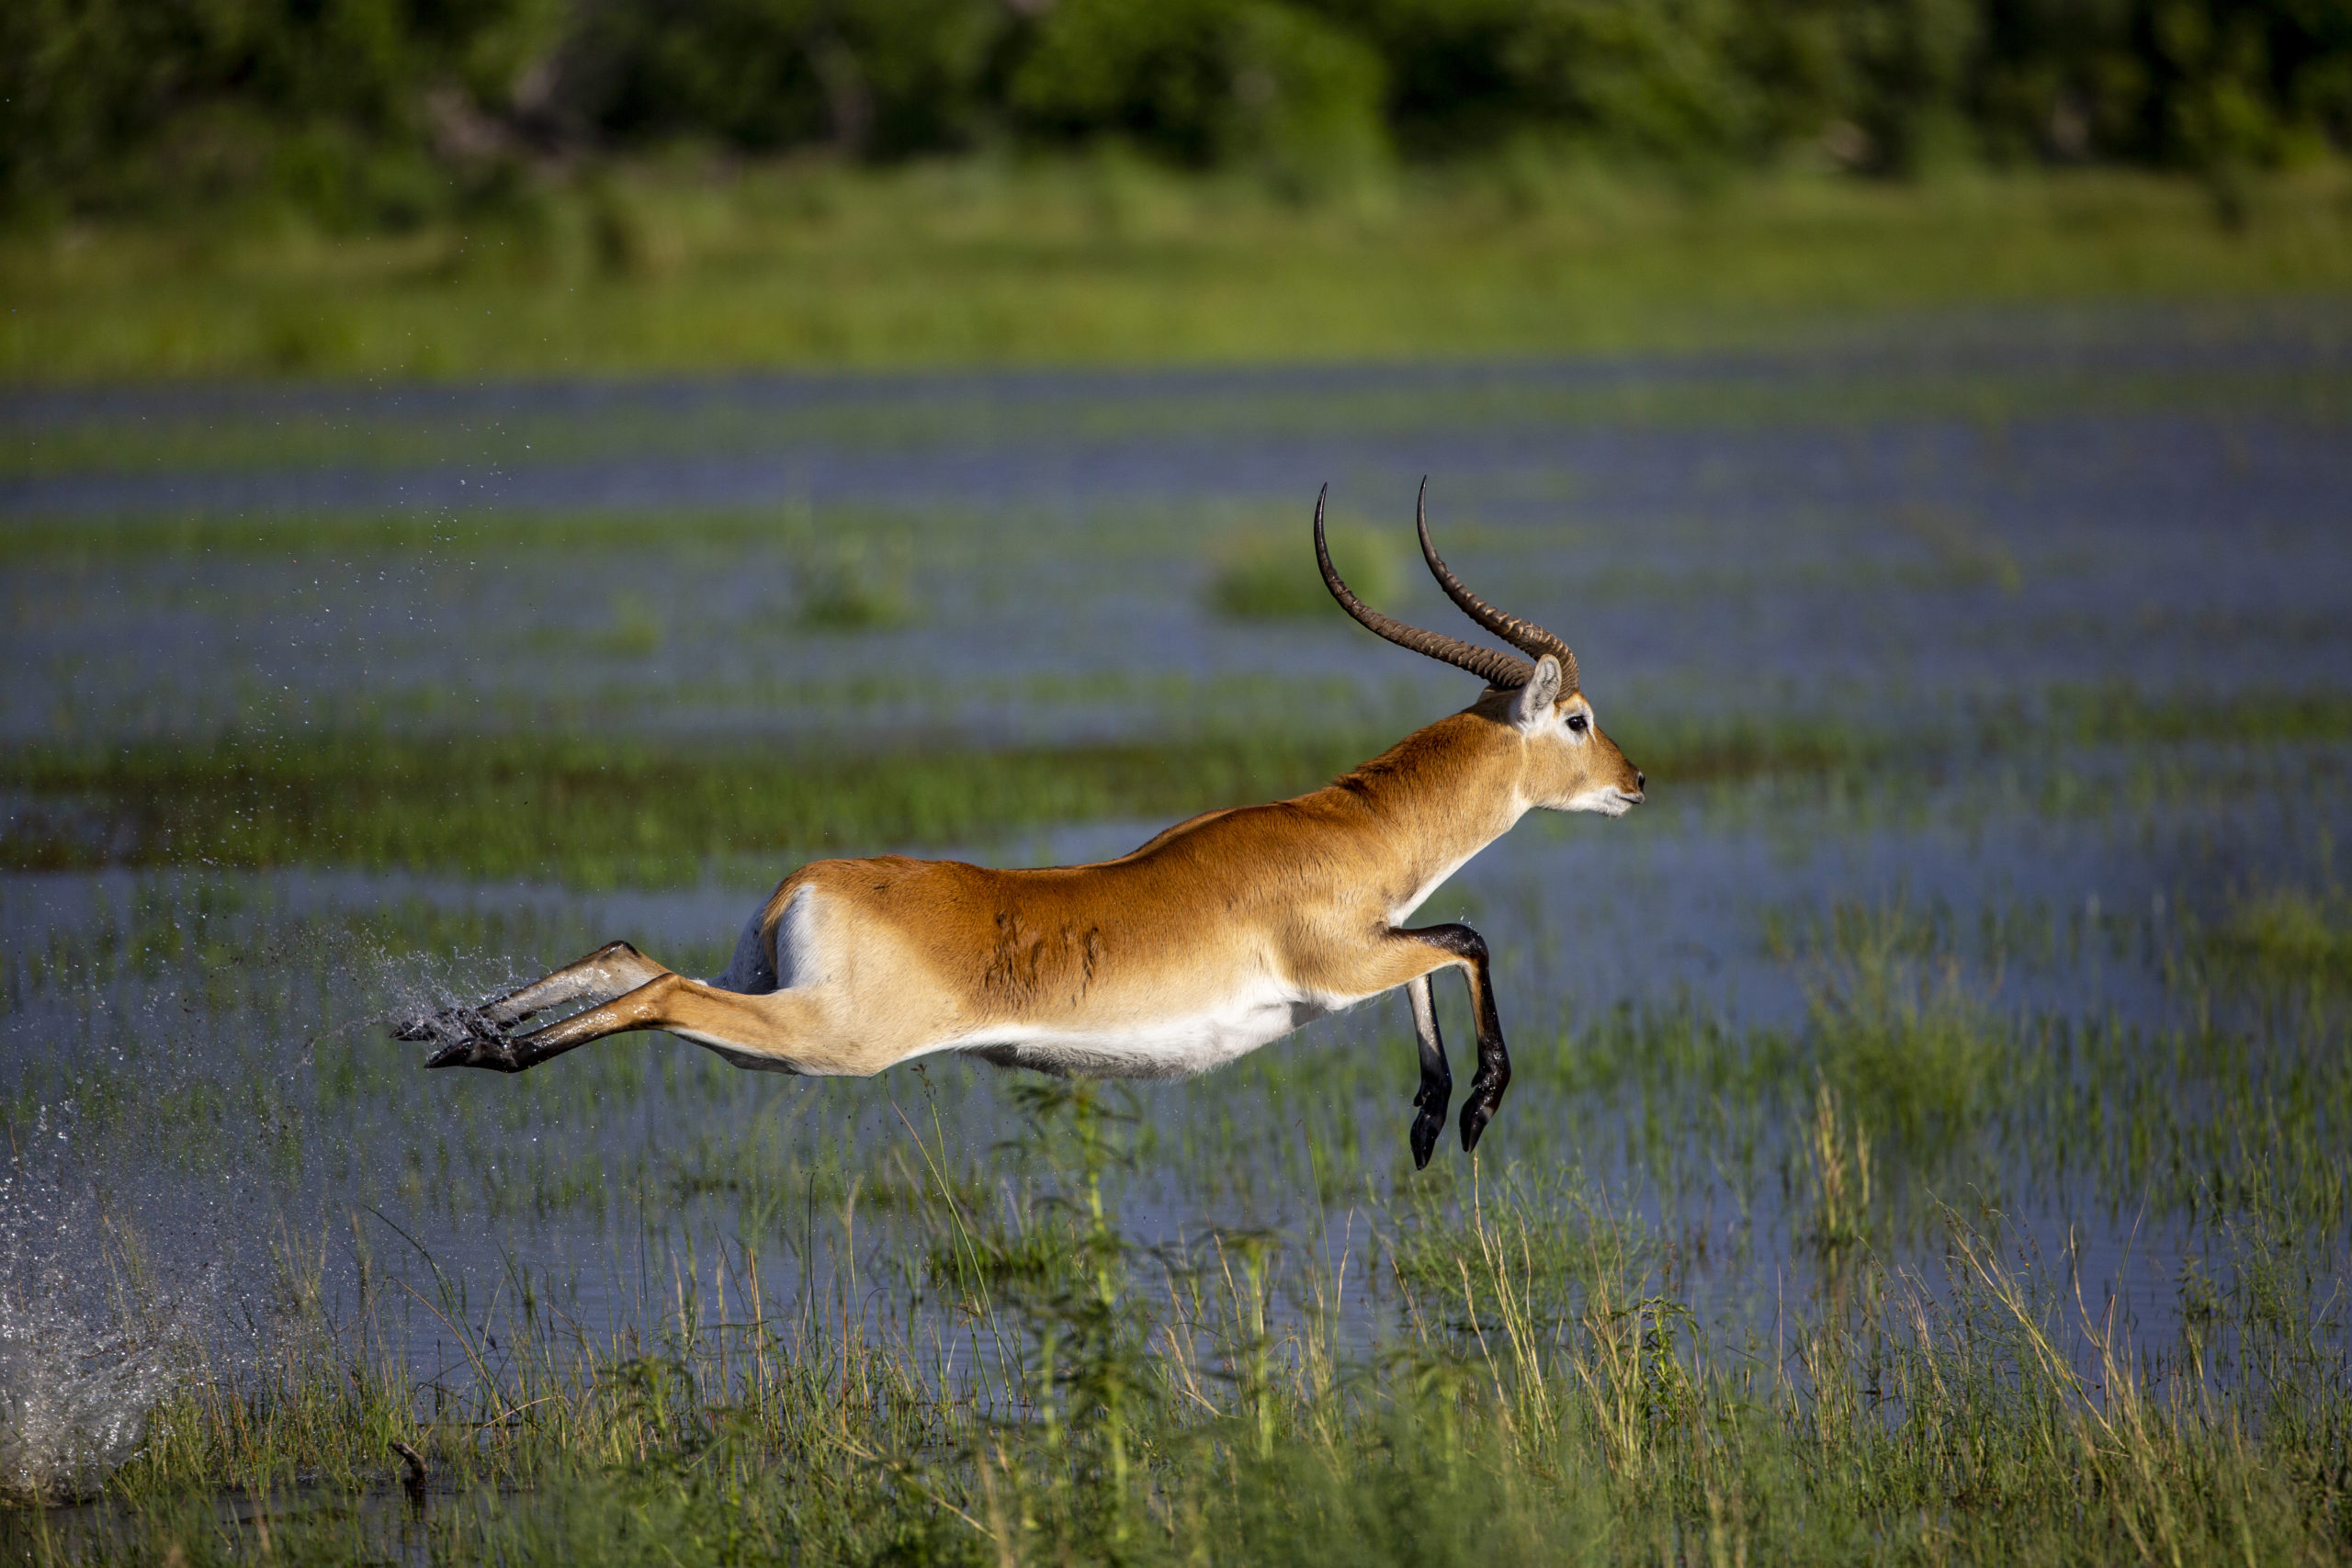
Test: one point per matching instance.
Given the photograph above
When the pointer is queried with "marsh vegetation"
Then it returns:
(1928, 1141)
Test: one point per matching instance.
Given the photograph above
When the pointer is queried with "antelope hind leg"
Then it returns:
(487, 1047)
(1437, 1078)
(771, 1026)
(613, 970)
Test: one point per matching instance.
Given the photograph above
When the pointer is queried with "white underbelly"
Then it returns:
(1172, 1048)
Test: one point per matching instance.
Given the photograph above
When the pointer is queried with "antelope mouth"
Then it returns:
(1605, 801)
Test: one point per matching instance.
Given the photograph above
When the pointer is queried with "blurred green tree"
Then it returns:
(872, 77)
(1206, 82)
(1658, 77)
(365, 110)
(378, 112)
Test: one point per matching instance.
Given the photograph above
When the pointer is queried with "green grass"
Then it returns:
(1546, 1398)
(1040, 1386)
(1106, 262)
(597, 812)
(2288, 936)
(1264, 576)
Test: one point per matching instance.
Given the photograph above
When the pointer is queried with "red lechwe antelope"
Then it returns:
(1221, 934)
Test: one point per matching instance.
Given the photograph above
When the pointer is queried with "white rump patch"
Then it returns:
(758, 968)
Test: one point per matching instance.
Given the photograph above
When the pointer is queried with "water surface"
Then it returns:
(1953, 531)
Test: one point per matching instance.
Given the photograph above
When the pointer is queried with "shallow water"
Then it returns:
(263, 1042)
(195, 1062)
(1854, 537)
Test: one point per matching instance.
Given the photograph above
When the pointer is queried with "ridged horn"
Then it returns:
(1525, 635)
(1496, 669)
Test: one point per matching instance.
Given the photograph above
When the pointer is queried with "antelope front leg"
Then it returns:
(1493, 1076)
(1437, 1078)
(613, 970)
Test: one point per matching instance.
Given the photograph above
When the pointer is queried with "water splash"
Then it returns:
(85, 1356)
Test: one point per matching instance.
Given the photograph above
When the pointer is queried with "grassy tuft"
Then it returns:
(2287, 935)
(1268, 577)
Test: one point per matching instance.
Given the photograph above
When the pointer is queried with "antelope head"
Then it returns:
(1568, 764)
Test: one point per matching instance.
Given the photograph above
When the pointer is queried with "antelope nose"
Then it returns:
(1641, 780)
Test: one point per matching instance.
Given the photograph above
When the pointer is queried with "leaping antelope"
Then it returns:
(1222, 934)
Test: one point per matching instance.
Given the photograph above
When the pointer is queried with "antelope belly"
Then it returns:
(1173, 1048)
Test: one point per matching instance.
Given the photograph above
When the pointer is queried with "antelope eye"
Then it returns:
(1577, 722)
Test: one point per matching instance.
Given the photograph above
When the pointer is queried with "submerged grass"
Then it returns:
(2231, 366)
(1111, 262)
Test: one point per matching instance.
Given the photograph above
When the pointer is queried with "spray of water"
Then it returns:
(85, 1353)
(74, 1401)
(129, 1242)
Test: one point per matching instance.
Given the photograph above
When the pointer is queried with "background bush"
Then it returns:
(1205, 82)
(376, 112)
(372, 111)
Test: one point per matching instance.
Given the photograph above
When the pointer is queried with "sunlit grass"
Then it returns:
(1545, 1396)
(1111, 262)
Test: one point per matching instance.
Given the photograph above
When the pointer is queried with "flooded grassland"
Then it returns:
(1928, 1132)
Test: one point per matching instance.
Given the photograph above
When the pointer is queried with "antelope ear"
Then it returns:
(1535, 700)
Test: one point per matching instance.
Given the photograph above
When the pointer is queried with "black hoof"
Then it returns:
(496, 1054)
(1434, 1095)
(448, 1026)
(465, 1039)
(1426, 1127)
(1477, 1111)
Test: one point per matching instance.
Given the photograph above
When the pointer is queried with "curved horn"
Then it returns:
(1523, 635)
(1496, 669)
